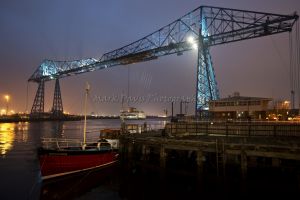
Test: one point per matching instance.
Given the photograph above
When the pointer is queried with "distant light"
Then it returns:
(3, 111)
(7, 97)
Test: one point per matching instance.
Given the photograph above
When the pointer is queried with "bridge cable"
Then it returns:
(26, 106)
(128, 85)
(297, 62)
(283, 61)
(291, 68)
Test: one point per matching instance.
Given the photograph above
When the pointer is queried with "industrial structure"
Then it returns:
(199, 29)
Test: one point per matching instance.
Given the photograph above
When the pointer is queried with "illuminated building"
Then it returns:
(239, 107)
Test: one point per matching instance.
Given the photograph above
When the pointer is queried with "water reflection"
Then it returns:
(59, 128)
(22, 131)
(77, 185)
(7, 137)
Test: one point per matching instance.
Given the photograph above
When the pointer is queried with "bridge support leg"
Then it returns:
(206, 82)
(206, 86)
(57, 108)
(38, 104)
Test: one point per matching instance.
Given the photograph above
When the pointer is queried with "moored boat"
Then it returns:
(60, 157)
(67, 158)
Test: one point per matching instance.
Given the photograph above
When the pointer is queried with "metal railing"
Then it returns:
(238, 129)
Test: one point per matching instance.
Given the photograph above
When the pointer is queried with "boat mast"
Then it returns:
(87, 88)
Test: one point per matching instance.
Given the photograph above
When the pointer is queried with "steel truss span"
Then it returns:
(199, 29)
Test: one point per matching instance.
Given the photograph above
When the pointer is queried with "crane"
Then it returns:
(200, 29)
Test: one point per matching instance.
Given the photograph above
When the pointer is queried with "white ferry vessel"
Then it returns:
(132, 113)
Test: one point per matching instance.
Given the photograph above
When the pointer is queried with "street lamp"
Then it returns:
(7, 97)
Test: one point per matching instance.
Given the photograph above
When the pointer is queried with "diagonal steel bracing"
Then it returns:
(209, 26)
(57, 108)
(38, 104)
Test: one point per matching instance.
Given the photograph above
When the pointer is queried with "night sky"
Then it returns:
(34, 30)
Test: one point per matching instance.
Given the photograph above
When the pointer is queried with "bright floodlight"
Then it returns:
(195, 46)
(191, 40)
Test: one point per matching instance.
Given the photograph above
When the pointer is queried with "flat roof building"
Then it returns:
(239, 107)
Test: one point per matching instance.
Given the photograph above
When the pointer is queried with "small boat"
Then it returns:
(60, 157)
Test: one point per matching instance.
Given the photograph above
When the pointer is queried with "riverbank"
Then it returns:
(49, 117)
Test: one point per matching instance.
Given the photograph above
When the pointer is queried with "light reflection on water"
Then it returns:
(22, 133)
(11, 132)
(7, 137)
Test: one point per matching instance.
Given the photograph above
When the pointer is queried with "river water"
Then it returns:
(20, 174)
(19, 167)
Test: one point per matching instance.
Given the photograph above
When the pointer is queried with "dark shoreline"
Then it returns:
(27, 118)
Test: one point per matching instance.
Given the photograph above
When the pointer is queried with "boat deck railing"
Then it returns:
(61, 143)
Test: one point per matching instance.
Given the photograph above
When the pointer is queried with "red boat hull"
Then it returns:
(59, 163)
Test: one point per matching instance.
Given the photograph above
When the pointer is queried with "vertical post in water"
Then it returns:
(85, 105)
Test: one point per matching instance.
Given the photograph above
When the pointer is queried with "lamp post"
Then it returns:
(7, 97)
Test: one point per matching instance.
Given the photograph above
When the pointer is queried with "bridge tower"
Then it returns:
(206, 85)
(57, 107)
(38, 104)
(39, 101)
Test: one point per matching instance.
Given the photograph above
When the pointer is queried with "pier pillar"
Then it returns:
(130, 150)
(145, 153)
(121, 150)
(162, 157)
(244, 164)
(298, 178)
(200, 159)
(275, 162)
